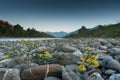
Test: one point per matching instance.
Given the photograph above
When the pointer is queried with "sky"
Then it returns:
(60, 15)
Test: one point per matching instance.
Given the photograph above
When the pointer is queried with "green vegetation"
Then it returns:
(102, 31)
(8, 30)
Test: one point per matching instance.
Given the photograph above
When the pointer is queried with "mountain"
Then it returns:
(74, 32)
(9, 30)
(58, 34)
(100, 31)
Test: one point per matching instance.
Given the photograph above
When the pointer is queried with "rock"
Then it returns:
(72, 67)
(69, 58)
(109, 72)
(114, 51)
(2, 72)
(52, 78)
(114, 77)
(78, 53)
(106, 43)
(12, 74)
(103, 48)
(42, 71)
(84, 76)
(84, 63)
(25, 66)
(68, 74)
(2, 56)
(110, 63)
(95, 76)
(68, 49)
(91, 66)
(97, 51)
(94, 70)
(44, 48)
(4, 63)
(14, 61)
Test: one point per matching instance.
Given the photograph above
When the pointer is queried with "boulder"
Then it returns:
(52, 78)
(73, 67)
(109, 72)
(69, 58)
(4, 63)
(12, 74)
(103, 47)
(42, 71)
(114, 77)
(68, 74)
(68, 49)
(25, 66)
(110, 63)
(2, 72)
(95, 76)
(78, 53)
(2, 56)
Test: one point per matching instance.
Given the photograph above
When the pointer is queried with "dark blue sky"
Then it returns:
(60, 15)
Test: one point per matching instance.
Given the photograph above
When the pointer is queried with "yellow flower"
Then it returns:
(88, 48)
(23, 45)
(82, 59)
(33, 44)
(22, 40)
(96, 63)
(16, 51)
(6, 57)
(40, 55)
(82, 68)
(93, 56)
(88, 61)
(47, 54)
(40, 41)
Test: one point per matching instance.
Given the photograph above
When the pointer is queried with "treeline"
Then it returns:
(8, 30)
(101, 31)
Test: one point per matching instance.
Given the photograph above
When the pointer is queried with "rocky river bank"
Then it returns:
(60, 59)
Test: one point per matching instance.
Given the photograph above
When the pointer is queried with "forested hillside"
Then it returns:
(8, 30)
(103, 31)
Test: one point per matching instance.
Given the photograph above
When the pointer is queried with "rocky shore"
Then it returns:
(60, 59)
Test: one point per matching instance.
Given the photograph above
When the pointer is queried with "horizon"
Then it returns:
(60, 15)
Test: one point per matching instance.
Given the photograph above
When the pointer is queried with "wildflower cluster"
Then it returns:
(88, 48)
(47, 58)
(90, 60)
(6, 57)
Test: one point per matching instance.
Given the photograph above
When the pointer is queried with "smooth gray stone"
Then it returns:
(2, 55)
(84, 76)
(68, 74)
(68, 49)
(95, 76)
(4, 63)
(12, 74)
(102, 47)
(25, 66)
(77, 53)
(115, 51)
(97, 51)
(112, 63)
(109, 72)
(72, 67)
(79, 62)
(114, 77)
(2, 72)
(52, 78)
(69, 58)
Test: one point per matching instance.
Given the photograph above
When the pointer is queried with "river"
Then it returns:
(32, 39)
